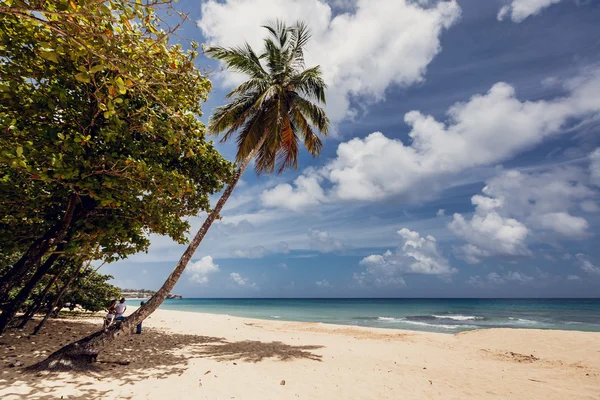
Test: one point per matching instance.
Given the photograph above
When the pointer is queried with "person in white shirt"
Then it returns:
(111, 314)
(120, 309)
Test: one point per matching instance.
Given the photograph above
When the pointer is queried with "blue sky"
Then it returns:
(463, 162)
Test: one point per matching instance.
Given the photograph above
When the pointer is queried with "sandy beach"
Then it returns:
(184, 355)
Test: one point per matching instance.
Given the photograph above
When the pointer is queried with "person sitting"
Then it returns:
(138, 328)
(120, 309)
(110, 317)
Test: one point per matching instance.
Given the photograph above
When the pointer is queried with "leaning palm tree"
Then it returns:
(269, 114)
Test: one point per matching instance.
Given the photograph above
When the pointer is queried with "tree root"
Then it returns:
(65, 362)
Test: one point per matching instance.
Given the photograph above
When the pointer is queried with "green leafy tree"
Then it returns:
(92, 291)
(270, 114)
(99, 116)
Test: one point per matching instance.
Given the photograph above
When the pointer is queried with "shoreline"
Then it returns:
(340, 326)
(183, 354)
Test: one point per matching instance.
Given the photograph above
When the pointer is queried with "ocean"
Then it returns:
(432, 315)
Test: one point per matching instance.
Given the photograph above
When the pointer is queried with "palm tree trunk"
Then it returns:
(35, 307)
(38, 249)
(9, 312)
(85, 351)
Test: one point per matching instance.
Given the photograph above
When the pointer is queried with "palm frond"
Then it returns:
(239, 59)
(312, 142)
(315, 114)
(300, 35)
(252, 84)
(228, 115)
(310, 83)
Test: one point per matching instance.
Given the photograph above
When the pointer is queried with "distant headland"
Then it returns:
(145, 294)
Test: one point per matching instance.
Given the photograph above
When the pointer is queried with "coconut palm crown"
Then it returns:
(276, 107)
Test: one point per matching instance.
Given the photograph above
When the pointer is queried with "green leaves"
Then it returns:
(96, 68)
(83, 77)
(100, 105)
(49, 55)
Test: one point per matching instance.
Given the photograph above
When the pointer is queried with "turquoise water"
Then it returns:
(433, 315)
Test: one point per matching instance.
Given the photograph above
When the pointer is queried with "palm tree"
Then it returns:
(269, 113)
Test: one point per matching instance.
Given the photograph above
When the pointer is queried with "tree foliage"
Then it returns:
(92, 291)
(94, 101)
(100, 138)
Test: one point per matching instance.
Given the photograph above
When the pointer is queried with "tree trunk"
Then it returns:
(35, 307)
(57, 300)
(80, 354)
(9, 312)
(38, 249)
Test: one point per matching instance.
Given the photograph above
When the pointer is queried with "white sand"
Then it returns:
(317, 361)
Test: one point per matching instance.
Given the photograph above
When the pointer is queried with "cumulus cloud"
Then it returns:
(416, 255)
(440, 213)
(510, 276)
(475, 281)
(324, 283)
(488, 233)
(323, 242)
(306, 193)
(200, 270)
(244, 282)
(518, 205)
(517, 277)
(586, 265)
(494, 277)
(519, 10)
(488, 128)
(358, 49)
(573, 278)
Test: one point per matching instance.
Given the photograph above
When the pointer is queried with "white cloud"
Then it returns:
(495, 278)
(324, 283)
(586, 265)
(440, 213)
(306, 193)
(474, 281)
(595, 167)
(517, 277)
(251, 252)
(543, 199)
(244, 282)
(564, 223)
(488, 233)
(573, 278)
(323, 242)
(359, 50)
(519, 205)
(510, 276)
(518, 10)
(283, 266)
(488, 128)
(200, 270)
(416, 255)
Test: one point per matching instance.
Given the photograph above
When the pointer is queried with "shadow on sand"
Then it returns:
(154, 354)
